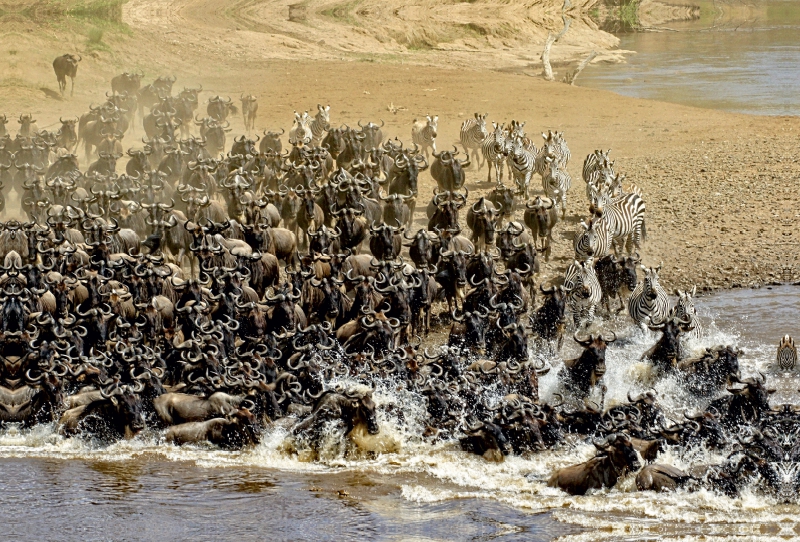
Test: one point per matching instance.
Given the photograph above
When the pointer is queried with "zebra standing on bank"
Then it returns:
(423, 133)
(583, 292)
(473, 134)
(516, 130)
(320, 125)
(648, 302)
(595, 162)
(494, 152)
(522, 164)
(300, 134)
(684, 310)
(624, 215)
(555, 183)
(613, 185)
(596, 169)
(592, 240)
(554, 147)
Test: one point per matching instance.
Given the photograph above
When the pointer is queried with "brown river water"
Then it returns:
(739, 56)
(143, 489)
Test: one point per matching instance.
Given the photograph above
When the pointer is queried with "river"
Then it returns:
(142, 489)
(747, 63)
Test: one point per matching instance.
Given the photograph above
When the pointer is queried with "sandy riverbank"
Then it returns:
(720, 188)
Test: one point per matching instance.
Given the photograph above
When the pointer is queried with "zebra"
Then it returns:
(625, 217)
(787, 354)
(423, 133)
(596, 161)
(494, 152)
(684, 310)
(555, 147)
(300, 134)
(473, 134)
(597, 167)
(516, 130)
(320, 125)
(522, 163)
(583, 291)
(613, 185)
(556, 182)
(648, 303)
(594, 241)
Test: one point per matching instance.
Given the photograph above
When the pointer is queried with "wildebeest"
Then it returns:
(235, 431)
(66, 66)
(249, 111)
(549, 320)
(580, 374)
(659, 477)
(615, 457)
(353, 407)
(616, 275)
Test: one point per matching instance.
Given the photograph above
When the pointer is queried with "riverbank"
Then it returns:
(719, 187)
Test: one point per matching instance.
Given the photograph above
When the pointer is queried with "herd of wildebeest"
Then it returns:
(212, 292)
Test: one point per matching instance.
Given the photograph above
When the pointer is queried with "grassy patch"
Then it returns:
(617, 16)
(94, 40)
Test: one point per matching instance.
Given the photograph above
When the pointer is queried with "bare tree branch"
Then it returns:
(571, 76)
(547, 70)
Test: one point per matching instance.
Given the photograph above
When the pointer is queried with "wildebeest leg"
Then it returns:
(72, 89)
(427, 320)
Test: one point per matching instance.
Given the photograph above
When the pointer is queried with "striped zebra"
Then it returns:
(625, 217)
(494, 152)
(423, 133)
(613, 185)
(648, 302)
(596, 161)
(684, 310)
(473, 134)
(583, 291)
(516, 130)
(597, 169)
(556, 182)
(555, 147)
(522, 163)
(320, 125)
(300, 134)
(787, 354)
(593, 240)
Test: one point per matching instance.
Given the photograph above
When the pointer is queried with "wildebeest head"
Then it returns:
(754, 391)
(587, 370)
(128, 406)
(365, 406)
(506, 237)
(628, 271)
(448, 171)
(374, 135)
(620, 451)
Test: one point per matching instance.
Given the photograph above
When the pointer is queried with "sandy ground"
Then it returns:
(720, 188)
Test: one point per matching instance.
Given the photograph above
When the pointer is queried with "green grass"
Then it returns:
(620, 16)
